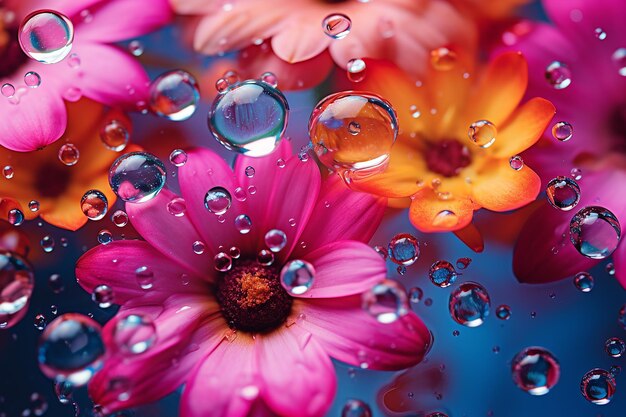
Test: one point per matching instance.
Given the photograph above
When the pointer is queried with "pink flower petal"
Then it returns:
(619, 258)
(301, 40)
(67, 7)
(187, 328)
(299, 378)
(116, 264)
(365, 342)
(173, 236)
(225, 383)
(344, 268)
(341, 214)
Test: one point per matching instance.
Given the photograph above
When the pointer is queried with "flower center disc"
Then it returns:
(252, 298)
(447, 157)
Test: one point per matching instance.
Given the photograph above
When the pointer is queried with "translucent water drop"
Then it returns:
(562, 131)
(443, 59)
(583, 281)
(94, 204)
(558, 75)
(137, 177)
(356, 69)
(332, 126)
(64, 391)
(47, 243)
(415, 295)
(516, 162)
(135, 334)
(337, 25)
(114, 135)
(136, 48)
(356, 408)
(576, 174)
(46, 36)
(240, 194)
(8, 172)
(386, 301)
(68, 154)
(103, 296)
(40, 322)
(600, 34)
(250, 117)
(105, 237)
(198, 247)
(463, 263)
(16, 287)
(71, 349)
(503, 312)
(249, 171)
(145, 277)
(174, 95)
(55, 282)
(217, 200)
(243, 224)
(615, 347)
(270, 78)
(120, 218)
(73, 61)
(265, 257)
(32, 79)
(234, 252)
(275, 240)
(563, 193)
(178, 157)
(33, 206)
(7, 90)
(535, 370)
(177, 207)
(595, 232)
(442, 274)
(15, 217)
(469, 304)
(403, 249)
(297, 276)
(598, 386)
(222, 262)
(619, 59)
(482, 133)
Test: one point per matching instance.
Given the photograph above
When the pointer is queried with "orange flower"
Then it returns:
(434, 162)
(42, 177)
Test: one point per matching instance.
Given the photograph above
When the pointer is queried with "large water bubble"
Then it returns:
(174, 95)
(137, 177)
(535, 370)
(595, 232)
(469, 304)
(46, 36)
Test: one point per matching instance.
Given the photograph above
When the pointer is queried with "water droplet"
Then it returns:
(610, 268)
(297, 276)
(403, 249)
(198, 247)
(40, 322)
(265, 257)
(598, 386)
(174, 95)
(68, 154)
(145, 277)
(8, 172)
(240, 194)
(337, 25)
(356, 408)
(595, 232)
(535, 370)
(15, 217)
(249, 172)
(503, 312)
(463, 263)
(135, 334)
(583, 281)
(136, 47)
(386, 301)
(55, 282)
(356, 70)
(105, 237)
(217, 200)
(32, 79)
(7, 90)
(137, 177)
(576, 173)
(416, 294)
(222, 262)
(16, 286)
(46, 36)
(73, 61)
(280, 163)
(71, 349)
(33, 206)
(340, 146)
(615, 347)
(120, 218)
(619, 59)
(516, 162)
(250, 118)
(94, 204)
(103, 296)
(558, 75)
(234, 252)
(482, 133)
(64, 391)
(47, 243)
(599, 33)
(442, 59)
(178, 157)
(114, 135)
(469, 304)
(275, 240)
(177, 207)
(270, 78)
(442, 274)
(562, 131)
(563, 193)
(243, 224)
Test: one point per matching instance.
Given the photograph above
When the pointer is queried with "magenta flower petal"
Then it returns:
(619, 259)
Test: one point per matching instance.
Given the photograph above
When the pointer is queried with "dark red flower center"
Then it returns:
(52, 179)
(617, 124)
(11, 55)
(447, 157)
(252, 299)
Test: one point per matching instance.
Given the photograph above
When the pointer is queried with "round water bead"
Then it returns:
(619, 59)
(177, 207)
(137, 177)
(416, 294)
(105, 237)
(47, 243)
(356, 69)
(32, 79)
(469, 304)
(403, 249)
(386, 301)
(8, 172)
(15, 217)
(503, 312)
(442, 59)
(46, 36)
(562, 131)
(135, 333)
(71, 349)
(103, 296)
(558, 75)
(222, 262)
(145, 277)
(535, 370)
(174, 95)
(218, 200)
(249, 117)
(297, 276)
(16, 286)
(275, 240)
(595, 232)
(583, 281)
(482, 133)
(516, 162)
(615, 347)
(442, 274)
(353, 132)
(7, 90)
(563, 193)
(94, 204)
(120, 218)
(337, 25)
(68, 154)
(178, 157)
(356, 408)
(114, 135)
(33, 205)
(598, 386)
(243, 224)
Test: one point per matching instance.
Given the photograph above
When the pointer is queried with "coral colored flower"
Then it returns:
(42, 177)
(434, 161)
(36, 117)
(488, 9)
(274, 359)
(402, 31)
(589, 38)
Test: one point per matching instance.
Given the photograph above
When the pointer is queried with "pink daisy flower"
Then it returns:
(588, 43)
(36, 117)
(240, 343)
